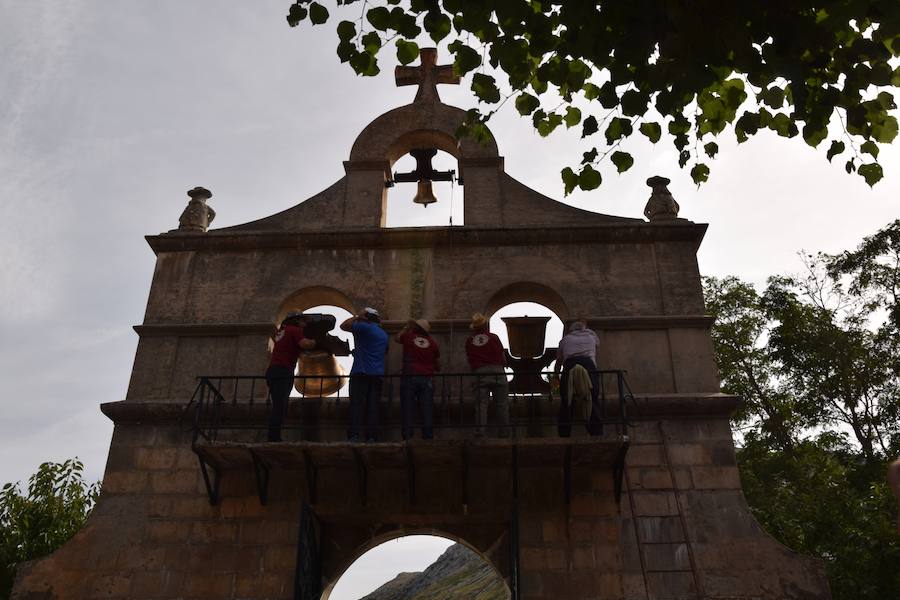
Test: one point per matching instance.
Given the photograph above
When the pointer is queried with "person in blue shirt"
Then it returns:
(367, 374)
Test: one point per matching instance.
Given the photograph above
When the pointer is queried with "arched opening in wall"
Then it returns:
(324, 369)
(425, 565)
(530, 340)
(406, 200)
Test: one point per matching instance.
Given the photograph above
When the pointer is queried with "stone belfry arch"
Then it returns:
(194, 505)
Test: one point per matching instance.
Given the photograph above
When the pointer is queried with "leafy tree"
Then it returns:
(694, 70)
(816, 359)
(40, 520)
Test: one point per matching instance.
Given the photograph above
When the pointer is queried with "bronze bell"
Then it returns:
(424, 195)
(526, 335)
(326, 376)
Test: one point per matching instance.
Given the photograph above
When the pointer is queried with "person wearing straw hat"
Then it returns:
(420, 361)
(367, 373)
(286, 344)
(487, 359)
(579, 347)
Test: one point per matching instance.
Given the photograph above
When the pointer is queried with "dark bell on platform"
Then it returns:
(325, 375)
(424, 195)
(526, 335)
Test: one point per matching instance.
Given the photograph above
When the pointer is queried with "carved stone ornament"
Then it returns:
(197, 215)
(661, 206)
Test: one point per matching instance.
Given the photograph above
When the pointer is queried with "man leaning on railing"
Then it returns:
(578, 348)
(420, 361)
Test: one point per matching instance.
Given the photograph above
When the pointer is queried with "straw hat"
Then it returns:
(423, 325)
(478, 321)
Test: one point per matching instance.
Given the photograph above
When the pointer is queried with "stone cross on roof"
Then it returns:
(427, 76)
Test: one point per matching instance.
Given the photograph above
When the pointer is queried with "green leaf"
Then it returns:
(871, 172)
(407, 52)
(318, 14)
(618, 128)
(589, 178)
(835, 149)
(711, 149)
(437, 25)
(364, 64)
(592, 92)
(466, 58)
(885, 131)
(371, 42)
(485, 87)
(526, 103)
(622, 160)
(700, 173)
(607, 95)
(379, 17)
(546, 125)
(346, 30)
(573, 117)
(296, 14)
(870, 147)
(683, 157)
(589, 157)
(814, 134)
(589, 127)
(634, 103)
(570, 180)
(850, 166)
(652, 130)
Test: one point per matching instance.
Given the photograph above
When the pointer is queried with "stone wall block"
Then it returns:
(650, 478)
(167, 532)
(206, 532)
(110, 586)
(593, 505)
(176, 482)
(667, 557)
(138, 557)
(654, 504)
(269, 532)
(203, 584)
(716, 478)
(154, 458)
(660, 529)
(264, 585)
(671, 586)
(125, 482)
(633, 587)
(645, 455)
(280, 558)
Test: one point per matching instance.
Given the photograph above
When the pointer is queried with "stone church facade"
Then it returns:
(195, 505)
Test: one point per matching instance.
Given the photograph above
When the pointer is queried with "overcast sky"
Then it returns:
(110, 111)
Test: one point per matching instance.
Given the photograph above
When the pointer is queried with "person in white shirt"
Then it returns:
(578, 347)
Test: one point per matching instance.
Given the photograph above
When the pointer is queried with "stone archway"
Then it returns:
(317, 295)
(385, 538)
(528, 291)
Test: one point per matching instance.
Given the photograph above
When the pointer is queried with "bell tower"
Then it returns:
(197, 504)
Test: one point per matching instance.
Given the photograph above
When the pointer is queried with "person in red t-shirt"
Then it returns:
(487, 360)
(420, 361)
(287, 343)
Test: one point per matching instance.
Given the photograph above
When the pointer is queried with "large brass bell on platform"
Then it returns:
(318, 371)
(424, 193)
(319, 374)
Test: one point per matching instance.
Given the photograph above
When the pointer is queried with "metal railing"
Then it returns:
(237, 408)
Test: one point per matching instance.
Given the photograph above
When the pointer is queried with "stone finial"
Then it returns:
(661, 206)
(197, 216)
(427, 76)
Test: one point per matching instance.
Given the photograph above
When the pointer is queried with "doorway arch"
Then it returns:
(410, 556)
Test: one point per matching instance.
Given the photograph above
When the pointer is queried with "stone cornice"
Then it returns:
(437, 326)
(424, 237)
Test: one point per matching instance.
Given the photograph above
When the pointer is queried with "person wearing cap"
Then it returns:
(578, 347)
(367, 374)
(420, 361)
(487, 359)
(286, 345)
